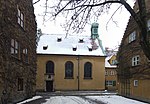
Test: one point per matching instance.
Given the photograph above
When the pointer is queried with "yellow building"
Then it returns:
(111, 72)
(69, 63)
(74, 78)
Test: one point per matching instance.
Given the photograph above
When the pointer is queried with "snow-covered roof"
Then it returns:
(107, 64)
(49, 44)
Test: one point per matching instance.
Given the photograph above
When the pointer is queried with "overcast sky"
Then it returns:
(111, 37)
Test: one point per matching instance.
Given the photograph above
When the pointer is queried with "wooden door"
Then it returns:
(49, 86)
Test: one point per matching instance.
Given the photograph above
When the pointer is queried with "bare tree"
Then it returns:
(79, 12)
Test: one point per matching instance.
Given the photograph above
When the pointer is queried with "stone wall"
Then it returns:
(12, 68)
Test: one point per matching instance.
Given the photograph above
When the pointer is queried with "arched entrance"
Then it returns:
(49, 76)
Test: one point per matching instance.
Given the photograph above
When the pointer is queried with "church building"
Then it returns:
(70, 63)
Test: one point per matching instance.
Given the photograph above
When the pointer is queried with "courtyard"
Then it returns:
(79, 97)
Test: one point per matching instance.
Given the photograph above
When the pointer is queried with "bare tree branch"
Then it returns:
(111, 18)
(36, 2)
(79, 12)
(82, 11)
(63, 8)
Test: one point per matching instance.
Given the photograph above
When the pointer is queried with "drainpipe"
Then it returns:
(78, 76)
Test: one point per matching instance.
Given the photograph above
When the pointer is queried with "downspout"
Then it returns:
(78, 76)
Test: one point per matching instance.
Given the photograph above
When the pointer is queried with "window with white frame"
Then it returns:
(110, 83)
(114, 62)
(20, 84)
(14, 48)
(106, 72)
(135, 60)
(20, 18)
(132, 36)
(112, 73)
(148, 24)
(24, 55)
(135, 82)
(148, 60)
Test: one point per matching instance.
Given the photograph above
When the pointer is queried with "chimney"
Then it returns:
(81, 40)
(89, 47)
(59, 39)
(45, 47)
(74, 47)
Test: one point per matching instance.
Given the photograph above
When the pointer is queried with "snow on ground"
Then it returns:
(28, 100)
(108, 99)
(115, 99)
(66, 100)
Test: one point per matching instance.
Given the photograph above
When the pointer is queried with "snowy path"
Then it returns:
(79, 98)
(66, 100)
(112, 99)
(61, 100)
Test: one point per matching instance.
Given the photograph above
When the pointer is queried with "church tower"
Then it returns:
(94, 36)
(94, 31)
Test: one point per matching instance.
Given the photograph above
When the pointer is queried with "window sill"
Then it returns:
(49, 73)
(110, 86)
(20, 90)
(68, 78)
(136, 65)
(15, 57)
(22, 28)
(88, 78)
(132, 41)
(25, 62)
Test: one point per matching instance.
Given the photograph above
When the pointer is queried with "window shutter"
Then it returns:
(114, 83)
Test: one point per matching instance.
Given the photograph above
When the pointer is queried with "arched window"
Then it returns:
(87, 70)
(50, 67)
(68, 69)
